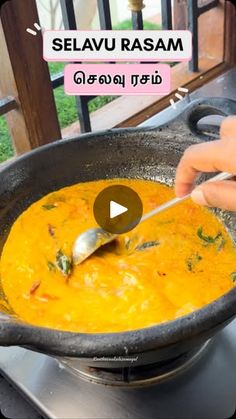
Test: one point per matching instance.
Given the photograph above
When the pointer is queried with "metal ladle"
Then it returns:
(89, 241)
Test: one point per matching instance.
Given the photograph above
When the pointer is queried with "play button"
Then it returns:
(117, 209)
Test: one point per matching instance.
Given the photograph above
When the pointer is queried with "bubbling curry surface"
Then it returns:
(165, 268)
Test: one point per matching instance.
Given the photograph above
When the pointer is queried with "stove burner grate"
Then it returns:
(138, 376)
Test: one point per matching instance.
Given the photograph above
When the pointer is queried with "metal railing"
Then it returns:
(194, 11)
(135, 6)
(7, 104)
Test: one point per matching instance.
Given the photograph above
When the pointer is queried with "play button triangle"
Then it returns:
(116, 209)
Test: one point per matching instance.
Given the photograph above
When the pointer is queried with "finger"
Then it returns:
(216, 194)
(196, 159)
(213, 156)
(228, 128)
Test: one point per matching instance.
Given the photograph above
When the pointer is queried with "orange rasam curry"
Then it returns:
(166, 267)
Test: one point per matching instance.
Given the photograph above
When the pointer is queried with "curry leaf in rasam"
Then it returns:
(51, 266)
(64, 264)
(207, 240)
(221, 244)
(233, 276)
(192, 261)
(146, 245)
(48, 206)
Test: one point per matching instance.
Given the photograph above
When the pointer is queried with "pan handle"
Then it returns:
(14, 332)
(8, 330)
(189, 117)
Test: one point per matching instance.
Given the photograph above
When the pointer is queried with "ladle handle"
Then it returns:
(174, 201)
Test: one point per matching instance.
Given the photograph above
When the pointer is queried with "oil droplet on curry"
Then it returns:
(165, 268)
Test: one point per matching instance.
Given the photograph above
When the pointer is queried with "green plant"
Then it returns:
(6, 149)
(127, 24)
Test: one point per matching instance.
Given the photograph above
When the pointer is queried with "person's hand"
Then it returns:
(214, 156)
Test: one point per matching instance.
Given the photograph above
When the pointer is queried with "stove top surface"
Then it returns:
(207, 389)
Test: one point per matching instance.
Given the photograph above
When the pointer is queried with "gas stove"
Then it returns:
(200, 384)
(203, 385)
